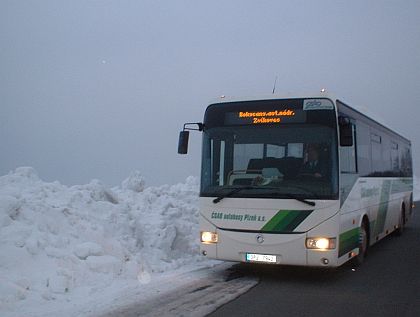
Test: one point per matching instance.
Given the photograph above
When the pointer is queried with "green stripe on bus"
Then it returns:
(383, 208)
(286, 220)
(297, 220)
(349, 240)
(273, 222)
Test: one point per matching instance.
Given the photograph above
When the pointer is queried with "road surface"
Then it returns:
(387, 284)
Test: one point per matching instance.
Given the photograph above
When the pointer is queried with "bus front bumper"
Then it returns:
(288, 249)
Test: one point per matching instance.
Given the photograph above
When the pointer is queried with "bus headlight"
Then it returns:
(209, 237)
(320, 243)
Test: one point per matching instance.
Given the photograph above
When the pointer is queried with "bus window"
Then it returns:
(276, 151)
(243, 152)
(295, 150)
(348, 156)
(395, 164)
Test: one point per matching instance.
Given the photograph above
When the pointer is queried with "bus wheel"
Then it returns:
(363, 244)
(401, 222)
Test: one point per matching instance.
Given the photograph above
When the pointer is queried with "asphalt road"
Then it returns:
(387, 284)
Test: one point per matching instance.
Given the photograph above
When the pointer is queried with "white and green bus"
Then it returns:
(298, 180)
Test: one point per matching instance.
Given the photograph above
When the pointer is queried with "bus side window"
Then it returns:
(348, 156)
(395, 163)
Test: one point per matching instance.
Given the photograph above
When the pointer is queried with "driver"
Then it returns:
(314, 166)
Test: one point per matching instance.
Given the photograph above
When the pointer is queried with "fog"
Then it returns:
(97, 89)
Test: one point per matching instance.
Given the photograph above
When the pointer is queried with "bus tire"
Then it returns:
(363, 243)
(401, 222)
(410, 206)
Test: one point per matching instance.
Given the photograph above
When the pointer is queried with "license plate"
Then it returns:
(266, 258)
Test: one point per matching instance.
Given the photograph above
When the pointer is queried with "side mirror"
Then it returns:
(346, 131)
(185, 134)
(183, 142)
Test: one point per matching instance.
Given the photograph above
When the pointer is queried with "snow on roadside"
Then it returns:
(61, 246)
(192, 293)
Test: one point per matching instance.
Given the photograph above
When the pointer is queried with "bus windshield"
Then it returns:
(270, 161)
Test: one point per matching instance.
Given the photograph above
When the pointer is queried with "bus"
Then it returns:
(300, 180)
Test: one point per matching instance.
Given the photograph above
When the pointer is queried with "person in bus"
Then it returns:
(314, 166)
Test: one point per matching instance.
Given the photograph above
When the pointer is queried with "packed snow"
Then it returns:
(61, 246)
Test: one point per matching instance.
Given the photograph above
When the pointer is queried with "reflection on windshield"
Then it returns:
(297, 160)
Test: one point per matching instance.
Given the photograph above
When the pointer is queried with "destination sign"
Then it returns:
(264, 117)
(272, 112)
(267, 117)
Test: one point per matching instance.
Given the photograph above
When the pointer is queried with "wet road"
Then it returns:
(387, 284)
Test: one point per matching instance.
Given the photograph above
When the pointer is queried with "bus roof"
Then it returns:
(358, 115)
(309, 95)
(224, 99)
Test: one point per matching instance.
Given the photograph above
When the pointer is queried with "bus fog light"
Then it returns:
(209, 237)
(320, 243)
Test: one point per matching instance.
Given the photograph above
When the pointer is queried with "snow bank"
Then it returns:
(59, 243)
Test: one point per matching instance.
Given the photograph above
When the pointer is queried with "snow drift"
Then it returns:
(57, 242)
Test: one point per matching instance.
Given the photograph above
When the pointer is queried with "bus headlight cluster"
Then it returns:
(320, 243)
(209, 237)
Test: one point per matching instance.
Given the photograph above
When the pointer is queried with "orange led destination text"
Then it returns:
(267, 116)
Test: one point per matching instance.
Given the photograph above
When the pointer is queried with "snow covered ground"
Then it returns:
(88, 250)
(63, 248)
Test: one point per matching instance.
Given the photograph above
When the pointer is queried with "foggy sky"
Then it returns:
(97, 89)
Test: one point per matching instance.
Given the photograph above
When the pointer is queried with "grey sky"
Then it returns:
(97, 89)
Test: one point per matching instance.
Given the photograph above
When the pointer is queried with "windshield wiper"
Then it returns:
(236, 190)
(292, 196)
(303, 200)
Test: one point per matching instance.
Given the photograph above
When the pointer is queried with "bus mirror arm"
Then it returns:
(185, 133)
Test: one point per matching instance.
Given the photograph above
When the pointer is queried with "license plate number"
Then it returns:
(266, 258)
